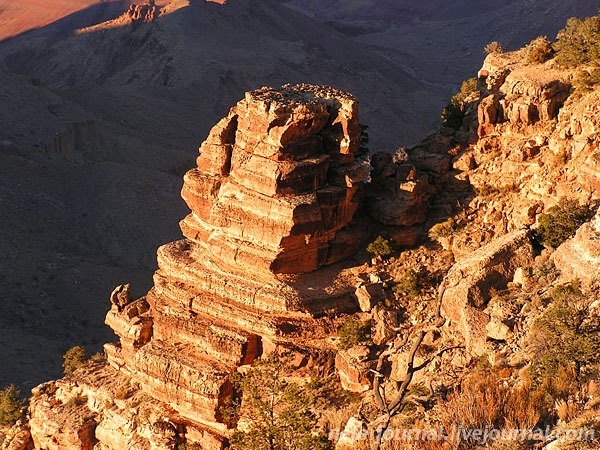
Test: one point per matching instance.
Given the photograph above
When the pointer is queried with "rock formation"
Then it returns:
(277, 181)
(272, 201)
(142, 13)
(468, 285)
(579, 257)
(399, 195)
(534, 136)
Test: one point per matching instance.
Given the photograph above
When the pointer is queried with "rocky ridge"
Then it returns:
(276, 190)
(528, 138)
(274, 201)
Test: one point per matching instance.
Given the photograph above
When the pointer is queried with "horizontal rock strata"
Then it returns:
(272, 201)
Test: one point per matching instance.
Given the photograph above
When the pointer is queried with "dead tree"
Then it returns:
(390, 408)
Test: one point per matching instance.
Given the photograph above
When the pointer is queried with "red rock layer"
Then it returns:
(277, 180)
(272, 197)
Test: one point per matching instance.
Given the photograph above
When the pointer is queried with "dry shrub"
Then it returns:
(493, 47)
(566, 410)
(539, 50)
(563, 383)
(484, 400)
(336, 419)
(477, 404)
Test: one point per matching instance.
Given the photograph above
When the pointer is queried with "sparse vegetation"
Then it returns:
(98, 357)
(188, 446)
(562, 221)
(484, 400)
(486, 189)
(493, 47)
(408, 285)
(442, 230)
(564, 334)
(578, 42)
(454, 113)
(280, 414)
(74, 358)
(11, 405)
(586, 79)
(381, 247)
(352, 332)
(539, 50)
(76, 401)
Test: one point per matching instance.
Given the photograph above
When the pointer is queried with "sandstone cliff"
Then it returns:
(276, 216)
(273, 200)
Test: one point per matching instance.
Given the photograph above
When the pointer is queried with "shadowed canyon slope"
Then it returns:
(270, 263)
(102, 110)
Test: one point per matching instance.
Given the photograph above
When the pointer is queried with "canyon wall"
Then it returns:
(273, 200)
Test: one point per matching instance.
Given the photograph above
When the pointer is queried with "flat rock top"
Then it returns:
(298, 93)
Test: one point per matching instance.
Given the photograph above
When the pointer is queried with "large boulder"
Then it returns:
(579, 257)
(469, 283)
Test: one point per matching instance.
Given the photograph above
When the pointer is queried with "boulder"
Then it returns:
(385, 322)
(579, 257)
(468, 284)
(18, 437)
(368, 295)
(353, 366)
(353, 434)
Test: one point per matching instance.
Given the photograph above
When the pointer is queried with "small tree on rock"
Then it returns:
(279, 414)
(561, 221)
(381, 247)
(11, 405)
(74, 358)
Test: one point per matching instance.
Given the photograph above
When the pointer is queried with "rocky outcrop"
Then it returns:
(277, 181)
(272, 200)
(534, 136)
(579, 257)
(18, 437)
(519, 95)
(468, 285)
(142, 13)
(399, 194)
(66, 144)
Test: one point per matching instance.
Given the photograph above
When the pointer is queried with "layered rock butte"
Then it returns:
(272, 201)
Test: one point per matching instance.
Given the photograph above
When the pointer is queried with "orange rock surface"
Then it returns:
(272, 202)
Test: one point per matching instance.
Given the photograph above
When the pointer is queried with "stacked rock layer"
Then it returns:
(272, 202)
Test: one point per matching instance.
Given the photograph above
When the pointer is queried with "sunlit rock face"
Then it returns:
(272, 200)
(277, 180)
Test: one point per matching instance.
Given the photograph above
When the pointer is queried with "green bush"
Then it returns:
(586, 80)
(493, 47)
(74, 358)
(578, 42)
(11, 405)
(381, 247)
(408, 285)
(539, 50)
(454, 112)
(563, 335)
(280, 414)
(562, 221)
(353, 332)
